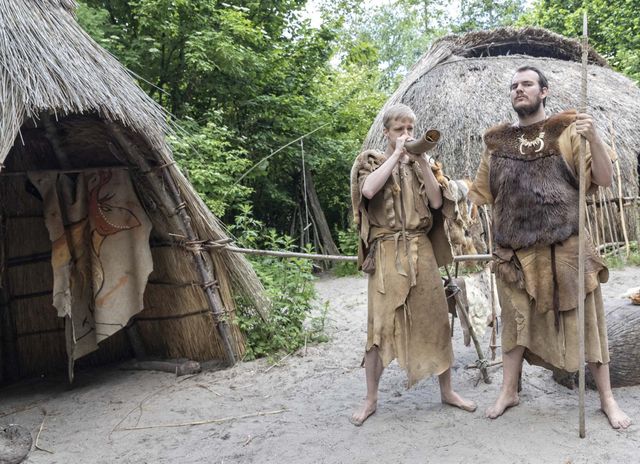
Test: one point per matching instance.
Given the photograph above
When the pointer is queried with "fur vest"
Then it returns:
(535, 192)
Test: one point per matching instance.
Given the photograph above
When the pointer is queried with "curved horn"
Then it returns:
(424, 143)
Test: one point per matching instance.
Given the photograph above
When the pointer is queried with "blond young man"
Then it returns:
(529, 174)
(396, 202)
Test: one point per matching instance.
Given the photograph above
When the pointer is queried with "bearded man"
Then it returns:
(529, 174)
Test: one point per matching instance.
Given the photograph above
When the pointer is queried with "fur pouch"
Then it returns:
(507, 267)
(369, 263)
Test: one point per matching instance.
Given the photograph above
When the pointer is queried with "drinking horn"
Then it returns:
(424, 143)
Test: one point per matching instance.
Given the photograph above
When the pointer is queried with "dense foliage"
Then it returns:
(614, 27)
(289, 286)
(246, 78)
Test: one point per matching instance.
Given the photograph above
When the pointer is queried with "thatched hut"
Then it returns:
(461, 86)
(68, 107)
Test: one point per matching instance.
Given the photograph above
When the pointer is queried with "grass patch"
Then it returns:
(620, 260)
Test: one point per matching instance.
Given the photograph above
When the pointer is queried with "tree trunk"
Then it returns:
(326, 240)
(623, 328)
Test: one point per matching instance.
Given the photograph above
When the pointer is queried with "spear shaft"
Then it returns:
(581, 228)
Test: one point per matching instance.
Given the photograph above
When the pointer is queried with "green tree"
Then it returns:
(395, 34)
(486, 14)
(253, 63)
(212, 162)
(614, 27)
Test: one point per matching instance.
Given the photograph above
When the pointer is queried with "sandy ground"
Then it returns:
(306, 401)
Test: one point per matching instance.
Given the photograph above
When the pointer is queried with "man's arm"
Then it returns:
(601, 168)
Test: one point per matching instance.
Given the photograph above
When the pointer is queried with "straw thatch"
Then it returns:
(67, 103)
(461, 87)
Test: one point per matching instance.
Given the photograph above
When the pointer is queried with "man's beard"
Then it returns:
(527, 110)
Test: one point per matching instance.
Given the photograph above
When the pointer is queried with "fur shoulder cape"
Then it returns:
(497, 135)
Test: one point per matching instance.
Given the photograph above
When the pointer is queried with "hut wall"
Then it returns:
(176, 320)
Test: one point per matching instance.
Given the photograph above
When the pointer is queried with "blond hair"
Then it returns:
(397, 111)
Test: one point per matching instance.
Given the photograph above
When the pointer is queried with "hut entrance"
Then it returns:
(98, 234)
(33, 335)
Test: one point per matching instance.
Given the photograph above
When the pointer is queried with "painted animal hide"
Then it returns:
(100, 253)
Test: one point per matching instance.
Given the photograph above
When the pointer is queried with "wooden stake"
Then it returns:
(581, 233)
(619, 182)
(205, 422)
(589, 221)
(36, 446)
(607, 216)
(482, 363)
(596, 224)
(612, 217)
(603, 230)
(492, 289)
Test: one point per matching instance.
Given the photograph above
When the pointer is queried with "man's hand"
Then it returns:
(400, 150)
(586, 128)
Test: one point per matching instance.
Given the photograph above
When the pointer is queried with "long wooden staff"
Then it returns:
(581, 226)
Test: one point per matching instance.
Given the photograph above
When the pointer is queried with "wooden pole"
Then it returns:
(320, 257)
(482, 363)
(178, 209)
(603, 229)
(59, 171)
(623, 220)
(492, 290)
(581, 234)
(612, 236)
(61, 155)
(596, 225)
(589, 223)
(614, 225)
(9, 364)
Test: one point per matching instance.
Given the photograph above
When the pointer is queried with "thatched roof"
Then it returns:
(461, 87)
(50, 64)
(68, 4)
(53, 74)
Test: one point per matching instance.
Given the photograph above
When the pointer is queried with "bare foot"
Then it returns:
(503, 402)
(453, 399)
(617, 418)
(368, 408)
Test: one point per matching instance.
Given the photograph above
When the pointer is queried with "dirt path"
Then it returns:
(306, 402)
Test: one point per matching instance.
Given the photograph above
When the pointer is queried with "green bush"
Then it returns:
(289, 286)
(348, 244)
